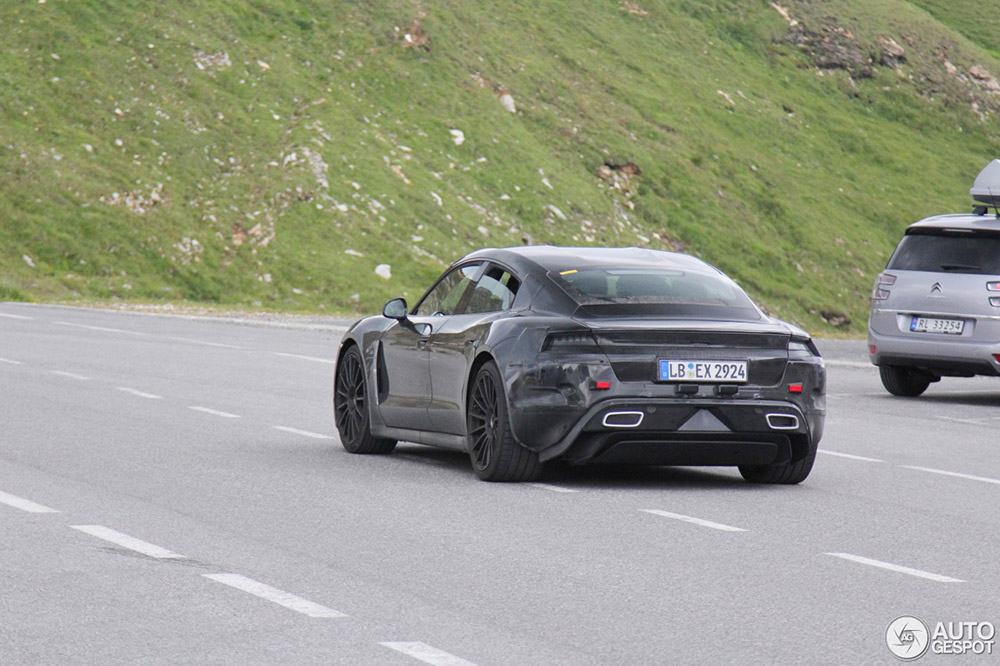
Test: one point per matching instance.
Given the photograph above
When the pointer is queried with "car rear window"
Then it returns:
(656, 292)
(948, 252)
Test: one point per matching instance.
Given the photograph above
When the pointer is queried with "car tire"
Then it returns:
(350, 407)
(494, 453)
(791, 472)
(903, 381)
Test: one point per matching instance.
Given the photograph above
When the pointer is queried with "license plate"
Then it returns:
(731, 372)
(935, 325)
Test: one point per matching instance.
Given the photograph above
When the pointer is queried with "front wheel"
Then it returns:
(494, 453)
(350, 407)
(903, 381)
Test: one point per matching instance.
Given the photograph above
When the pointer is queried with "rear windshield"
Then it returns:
(948, 252)
(656, 292)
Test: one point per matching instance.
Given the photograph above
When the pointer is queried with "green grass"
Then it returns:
(326, 135)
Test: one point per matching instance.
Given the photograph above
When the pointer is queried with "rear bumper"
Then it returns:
(938, 354)
(690, 432)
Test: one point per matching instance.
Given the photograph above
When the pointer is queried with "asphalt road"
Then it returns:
(172, 491)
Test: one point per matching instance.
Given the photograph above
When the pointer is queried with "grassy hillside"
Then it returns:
(273, 153)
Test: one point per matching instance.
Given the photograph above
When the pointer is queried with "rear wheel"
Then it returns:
(494, 453)
(350, 407)
(903, 381)
(791, 472)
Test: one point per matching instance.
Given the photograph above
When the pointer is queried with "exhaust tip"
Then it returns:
(782, 421)
(622, 419)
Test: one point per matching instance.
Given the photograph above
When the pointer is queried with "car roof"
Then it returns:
(552, 258)
(968, 221)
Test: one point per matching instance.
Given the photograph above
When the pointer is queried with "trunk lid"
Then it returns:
(634, 346)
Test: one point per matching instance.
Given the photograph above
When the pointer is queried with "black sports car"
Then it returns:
(526, 354)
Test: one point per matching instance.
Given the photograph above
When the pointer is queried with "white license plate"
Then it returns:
(935, 325)
(734, 372)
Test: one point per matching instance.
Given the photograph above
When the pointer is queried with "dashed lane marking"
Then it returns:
(14, 316)
(141, 394)
(315, 359)
(23, 504)
(555, 489)
(126, 541)
(957, 475)
(420, 459)
(11, 361)
(274, 595)
(71, 375)
(304, 433)
(695, 521)
(214, 412)
(849, 456)
(98, 328)
(427, 654)
(847, 364)
(938, 578)
(206, 343)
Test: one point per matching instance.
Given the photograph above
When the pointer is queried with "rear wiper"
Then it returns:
(958, 267)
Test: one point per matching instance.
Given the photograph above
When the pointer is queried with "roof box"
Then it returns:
(986, 189)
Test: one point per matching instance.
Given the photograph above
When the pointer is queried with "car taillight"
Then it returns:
(993, 286)
(880, 293)
(995, 302)
(580, 341)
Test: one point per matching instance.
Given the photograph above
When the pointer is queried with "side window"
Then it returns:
(495, 291)
(447, 296)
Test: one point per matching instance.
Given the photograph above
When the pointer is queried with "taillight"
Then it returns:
(578, 341)
(995, 302)
(880, 293)
(993, 286)
(802, 347)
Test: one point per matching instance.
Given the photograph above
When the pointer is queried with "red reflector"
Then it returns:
(997, 357)
(602, 385)
(871, 349)
(795, 388)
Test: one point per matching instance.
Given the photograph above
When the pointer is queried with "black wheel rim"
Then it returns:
(350, 393)
(483, 420)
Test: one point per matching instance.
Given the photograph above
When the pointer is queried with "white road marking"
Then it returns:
(214, 412)
(129, 542)
(695, 521)
(555, 489)
(11, 361)
(315, 359)
(419, 459)
(984, 479)
(304, 433)
(427, 654)
(957, 420)
(206, 343)
(274, 595)
(14, 316)
(98, 328)
(849, 456)
(938, 578)
(23, 504)
(141, 394)
(847, 364)
(71, 375)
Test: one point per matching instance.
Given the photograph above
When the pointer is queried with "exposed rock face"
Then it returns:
(833, 47)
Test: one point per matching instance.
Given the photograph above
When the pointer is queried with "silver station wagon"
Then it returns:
(936, 307)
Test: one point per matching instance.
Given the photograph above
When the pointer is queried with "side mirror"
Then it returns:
(395, 309)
